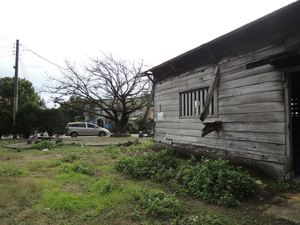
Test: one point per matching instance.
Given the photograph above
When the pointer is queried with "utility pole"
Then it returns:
(16, 97)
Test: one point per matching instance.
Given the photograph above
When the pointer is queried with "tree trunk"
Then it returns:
(121, 125)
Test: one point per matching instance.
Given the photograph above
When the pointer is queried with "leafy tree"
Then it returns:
(28, 99)
(27, 120)
(109, 87)
(52, 121)
(5, 122)
(72, 109)
(26, 91)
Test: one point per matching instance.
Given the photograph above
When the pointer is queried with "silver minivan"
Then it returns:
(75, 129)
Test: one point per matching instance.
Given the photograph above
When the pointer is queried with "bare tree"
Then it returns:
(115, 87)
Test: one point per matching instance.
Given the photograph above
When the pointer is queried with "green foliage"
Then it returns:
(160, 205)
(27, 120)
(5, 121)
(144, 125)
(156, 165)
(210, 219)
(52, 121)
(215, 181)
(134, 126)
(43, 144)
(72, 109)
(26, 90)
(28, 107)
(83, 169)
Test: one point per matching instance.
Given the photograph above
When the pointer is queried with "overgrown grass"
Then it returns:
(11, 170)
(98, 195)
(80, 185)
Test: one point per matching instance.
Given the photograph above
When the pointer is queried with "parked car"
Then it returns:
(146, 133)
(75, 129)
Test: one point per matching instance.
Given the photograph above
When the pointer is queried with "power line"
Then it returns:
(43, 58)
(24, 72)
(6, 46)
(6, 51)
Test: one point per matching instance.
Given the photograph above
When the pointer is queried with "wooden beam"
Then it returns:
(210, 127)
(211, 89)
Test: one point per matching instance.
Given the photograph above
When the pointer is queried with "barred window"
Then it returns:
(192, 103)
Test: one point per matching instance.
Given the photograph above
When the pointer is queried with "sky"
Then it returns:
(75, 30)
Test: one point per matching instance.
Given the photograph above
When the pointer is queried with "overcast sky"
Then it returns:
(153, 30)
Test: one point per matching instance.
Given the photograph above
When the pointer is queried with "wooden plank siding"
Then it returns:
(250, 104)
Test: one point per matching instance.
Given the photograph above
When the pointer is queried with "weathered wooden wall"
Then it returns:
(251, 106)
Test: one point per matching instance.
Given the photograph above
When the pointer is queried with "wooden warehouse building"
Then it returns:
(237, 96)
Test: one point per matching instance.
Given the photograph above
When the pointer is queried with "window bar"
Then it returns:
(192, 104)
(196, 99)
(185, 104)
(182, 104)
(201, 101)
(189, 103)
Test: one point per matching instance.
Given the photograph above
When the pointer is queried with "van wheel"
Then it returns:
(102, 134)
(74, 134)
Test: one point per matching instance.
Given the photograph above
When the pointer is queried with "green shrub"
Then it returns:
(43, 145)
(160, 205)
(215, 181)
(83, 169)
(156, 165)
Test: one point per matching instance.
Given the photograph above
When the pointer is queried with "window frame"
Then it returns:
(187, 97)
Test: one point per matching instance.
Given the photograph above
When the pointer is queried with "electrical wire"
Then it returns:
(22, 66)
(6, 47)
(6, 51)
(6, 54)
(43, 58)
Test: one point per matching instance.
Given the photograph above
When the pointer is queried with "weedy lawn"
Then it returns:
(82, 185)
